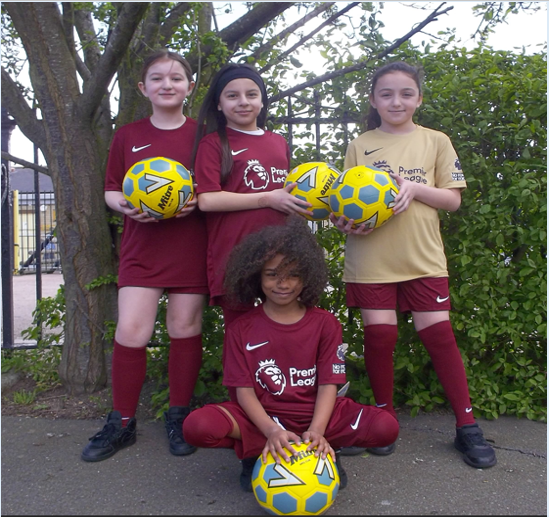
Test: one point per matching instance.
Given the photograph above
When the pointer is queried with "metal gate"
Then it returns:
(31, 249)
(35, 243)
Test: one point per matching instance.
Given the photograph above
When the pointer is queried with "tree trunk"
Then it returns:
(75, 162)
(85, 241)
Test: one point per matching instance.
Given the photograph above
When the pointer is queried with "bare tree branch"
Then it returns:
(249, 24)
(343, 71)
(68, 18)
(245, 27)
(149, 29)
(68, 25)
(309, 36)
(25, 163)
(131, 13)
(83, 23)
(291, 29)
(25, 117)
(204, 22)
(172, 21)
(161, 23)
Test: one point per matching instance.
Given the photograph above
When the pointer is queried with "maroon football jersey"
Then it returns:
(285, 364)
(172, 252)
(260, 164)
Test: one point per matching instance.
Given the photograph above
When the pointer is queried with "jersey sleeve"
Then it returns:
(350, 156)
(235, 369)
(448, 172)
(331, 356)
(207, 167)
(115, 164)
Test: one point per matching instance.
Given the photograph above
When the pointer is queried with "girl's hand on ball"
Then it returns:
(317, 440)
(188, 208)
(125, 208)
(347, 227)
(143, 217)
(339, 223)
(405, 195)
(361, 229)
(134, 213)
(282, 200)
(278, 442)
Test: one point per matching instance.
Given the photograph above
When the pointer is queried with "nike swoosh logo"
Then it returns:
(253, 347)
(469, 409)
(234, 153)
(440, 300)
(137, 149)
(370, 152)
(355, 425)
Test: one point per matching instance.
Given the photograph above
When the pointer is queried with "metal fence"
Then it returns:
(30, 225)
(35, 243)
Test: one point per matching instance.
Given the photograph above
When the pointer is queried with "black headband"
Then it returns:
(239, 73)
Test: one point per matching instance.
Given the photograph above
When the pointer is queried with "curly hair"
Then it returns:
(302, 256)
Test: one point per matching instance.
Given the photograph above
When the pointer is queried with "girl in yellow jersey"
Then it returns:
(402, 263)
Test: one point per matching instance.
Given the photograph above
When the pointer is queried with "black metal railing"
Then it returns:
(35, 243)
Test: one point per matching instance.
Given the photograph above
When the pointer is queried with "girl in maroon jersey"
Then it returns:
(240, 171)
(154, 258)
(284, 358)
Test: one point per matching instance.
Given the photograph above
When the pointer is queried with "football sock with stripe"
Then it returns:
(379, 345)
(440, 342)
(129, 367)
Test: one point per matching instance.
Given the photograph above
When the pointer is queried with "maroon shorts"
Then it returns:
(175, 290)
(418, 295)
(351, 424)
(186, 290)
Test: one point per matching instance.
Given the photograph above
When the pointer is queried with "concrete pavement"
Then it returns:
(42, 473)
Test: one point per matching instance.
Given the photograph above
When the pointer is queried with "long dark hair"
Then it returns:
(302, 256)
(211, 119)
(373, 119)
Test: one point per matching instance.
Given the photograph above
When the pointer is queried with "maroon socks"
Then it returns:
(440, 342)
(183, 368)
(379, 345)
(129, 367)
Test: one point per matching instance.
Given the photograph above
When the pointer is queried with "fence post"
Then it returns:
(38, 238)
(290, 126)
(317, 123)
(8, 124)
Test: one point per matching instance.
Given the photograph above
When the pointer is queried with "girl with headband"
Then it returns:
(240, 169)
